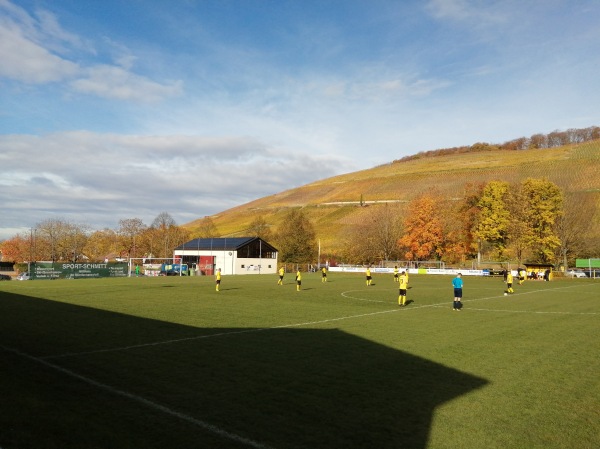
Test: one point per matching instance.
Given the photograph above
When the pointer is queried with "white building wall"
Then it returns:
(256, 266)
(225, 260)
(229, 264)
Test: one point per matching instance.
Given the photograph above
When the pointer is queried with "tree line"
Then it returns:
(59, 240)
(528, 221)
(536, 141)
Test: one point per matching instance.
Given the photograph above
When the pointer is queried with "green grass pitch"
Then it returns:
(171, 363)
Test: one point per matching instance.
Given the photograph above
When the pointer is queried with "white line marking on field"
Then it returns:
(345, 295)
(155, 343)
(284, 326)
(207, 426)
(531, 311)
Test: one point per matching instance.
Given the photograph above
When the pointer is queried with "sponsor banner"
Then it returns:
(40, 270)
(452, 271)
(373, 270)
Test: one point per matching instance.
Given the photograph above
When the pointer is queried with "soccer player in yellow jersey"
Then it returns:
(403, 286)
(368, 274)
(521, 273)
(396, 274)
(218, 279)
(324, 274)
(509, 282)
(281, 273)
(298, 281)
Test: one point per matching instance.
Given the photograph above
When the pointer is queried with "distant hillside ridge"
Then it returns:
(335, 204)
(537, 141)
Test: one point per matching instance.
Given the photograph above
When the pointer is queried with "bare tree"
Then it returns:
(59, 239)
(357, 246)
(260, 228)
(386, 230)
(75, 240)
(165, 235)
(207, 229)
(130, 230)
(163, 221)
(573, 226)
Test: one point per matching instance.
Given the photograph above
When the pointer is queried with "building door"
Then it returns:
(206, 264)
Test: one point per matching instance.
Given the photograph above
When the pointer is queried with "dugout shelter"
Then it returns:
(239, 255)
(537, 270)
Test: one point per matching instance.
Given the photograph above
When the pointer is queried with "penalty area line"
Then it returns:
(141, 400)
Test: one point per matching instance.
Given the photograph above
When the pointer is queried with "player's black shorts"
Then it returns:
(402, 292)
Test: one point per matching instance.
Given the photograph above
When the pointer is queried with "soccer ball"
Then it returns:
(505, 294)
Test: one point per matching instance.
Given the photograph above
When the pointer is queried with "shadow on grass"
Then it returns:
(281, 388)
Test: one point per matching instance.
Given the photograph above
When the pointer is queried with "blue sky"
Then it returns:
(126, 109)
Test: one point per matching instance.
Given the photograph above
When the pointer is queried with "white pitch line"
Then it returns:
(283, 326)
(439, 305)
(154, 343)
(220, 334)
(359, 299)
(161, 408)
(530, 311)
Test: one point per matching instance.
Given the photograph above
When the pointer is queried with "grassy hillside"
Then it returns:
(333, 204)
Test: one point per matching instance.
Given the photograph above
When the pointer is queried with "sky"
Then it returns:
(114, 109)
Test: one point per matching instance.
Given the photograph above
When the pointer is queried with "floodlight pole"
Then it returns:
(319, 256)
(259, 255)
(181, 261)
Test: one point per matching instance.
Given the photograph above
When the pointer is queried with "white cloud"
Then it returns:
(454, 9)
(54, 36)
(26, 61)
(101, 178)
(353, 88)
(480, 12)
(32, 52)
(115, 82)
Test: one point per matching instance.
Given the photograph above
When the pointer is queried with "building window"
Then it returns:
(255, 250)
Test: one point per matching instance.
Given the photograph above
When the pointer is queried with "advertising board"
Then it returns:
(67, 270)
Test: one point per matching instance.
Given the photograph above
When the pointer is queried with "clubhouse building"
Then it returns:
(239, 255)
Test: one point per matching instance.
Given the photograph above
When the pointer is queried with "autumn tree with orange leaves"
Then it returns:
(16, 249)
(424, 229)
